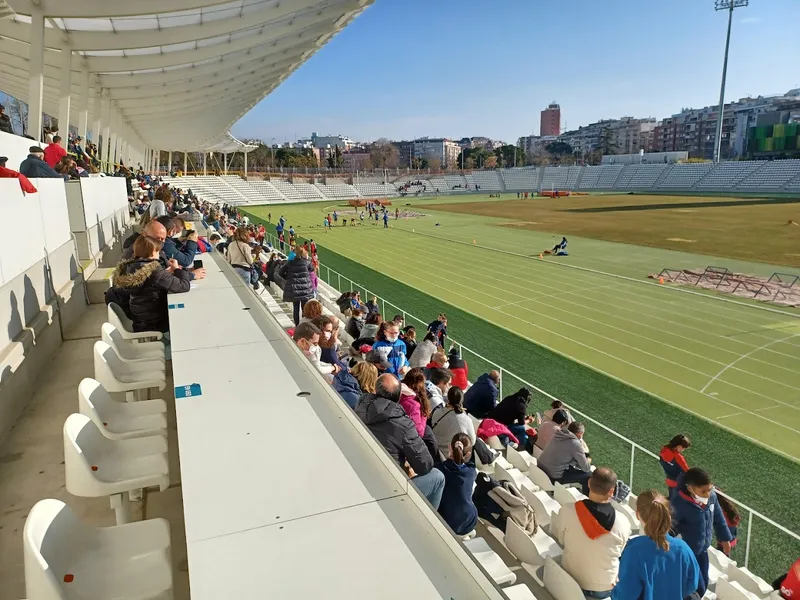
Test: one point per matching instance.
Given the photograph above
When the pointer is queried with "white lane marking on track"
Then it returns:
(559, 294)
(742, 357)
(768, 408)
(729, 416)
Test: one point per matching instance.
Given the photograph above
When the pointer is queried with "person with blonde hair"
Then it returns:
(655, 565)
(239, 254)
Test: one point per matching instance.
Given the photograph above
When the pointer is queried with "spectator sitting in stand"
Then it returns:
(409, 336)
(449, 419)
(438, 361)
(414, 399)
(788, 585)
(393, 428)
(347, 386)
(329, 339)
(34, 166)
(371, 326)
(481, 398)
(593, 536)
(148, 282)
(554, 406)
(311, 311)
(54, 152)
(424, 351)
(377, 359)
(456, 507)
(392, 348)
(306, 336)
(564, 461)
(438, 385)
(459, 368)
(355, 323)
(187, 250)
(655, 565)
(512, 411)
(673, 462)
(549, 428)
(372, 305)
(24, 182)
(696, 514)
(366, 375)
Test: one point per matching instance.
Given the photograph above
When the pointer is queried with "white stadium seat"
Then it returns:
(121, 420)
(118, 318)
(752, 583)
(127, 350)
(520, 459)
(559, 583)
(533, 550)
(117, 376)
(65, 559)
(566, 495)
(490, 561)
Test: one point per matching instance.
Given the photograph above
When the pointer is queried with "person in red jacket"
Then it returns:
(54, 152)
(789, 584)
(24, 182)
(673, 462)
(459, 368)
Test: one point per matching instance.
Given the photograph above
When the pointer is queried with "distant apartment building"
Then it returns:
(587, 138)
(533, 144)
(550, 121)
(442, 149)
(629, 135)
(357, 160)
(331, 141)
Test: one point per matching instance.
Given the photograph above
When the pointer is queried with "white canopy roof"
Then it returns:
(180, 72)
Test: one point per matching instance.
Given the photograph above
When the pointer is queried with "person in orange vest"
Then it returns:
(789, 584)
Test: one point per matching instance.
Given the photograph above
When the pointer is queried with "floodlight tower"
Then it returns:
(728, 5)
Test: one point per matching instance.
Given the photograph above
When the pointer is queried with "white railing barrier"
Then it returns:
(505, 374)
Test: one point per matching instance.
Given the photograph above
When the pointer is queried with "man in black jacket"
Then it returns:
(396, 432)
(34, 165)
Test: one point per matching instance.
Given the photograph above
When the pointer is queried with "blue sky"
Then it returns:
(458, 68)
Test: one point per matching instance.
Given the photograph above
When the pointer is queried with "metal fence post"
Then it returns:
(501, 383)
(747, 545)
(339, 289)
(633, 456)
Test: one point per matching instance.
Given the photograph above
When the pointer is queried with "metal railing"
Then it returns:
(339, 282)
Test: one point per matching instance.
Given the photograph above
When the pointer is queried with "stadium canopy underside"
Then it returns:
(160, 74)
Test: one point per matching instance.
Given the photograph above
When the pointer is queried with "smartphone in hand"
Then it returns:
(198, 264)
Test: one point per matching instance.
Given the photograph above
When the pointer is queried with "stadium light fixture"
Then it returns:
(728, 5)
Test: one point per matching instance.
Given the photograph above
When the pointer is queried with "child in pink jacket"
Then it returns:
(414, 399)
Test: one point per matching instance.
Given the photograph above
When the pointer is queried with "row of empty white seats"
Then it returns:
(338, 190)
(641, 177)
(521, 179)
(487, 180)
(376, 189)
(267, 190)
(772, 175)
(602, 177)
(685, 176)
(560, 177)
(727, 175)
(114, 449)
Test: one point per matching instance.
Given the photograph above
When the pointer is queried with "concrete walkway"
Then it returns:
(32, 462)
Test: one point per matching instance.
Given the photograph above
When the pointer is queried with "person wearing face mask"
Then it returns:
(355, 324)
(395, 430)
(329, 339)
(183, 252)
(698, 515)
(306, 336)
(438, 361)
(437, 386)
(392, 348)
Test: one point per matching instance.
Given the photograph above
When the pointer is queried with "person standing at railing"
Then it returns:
(698, 515)
(673, 462)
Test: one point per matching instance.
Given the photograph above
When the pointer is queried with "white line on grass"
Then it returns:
(559, 294)
(729, 416)
(622, 360)
(625, 277)
(742, 357)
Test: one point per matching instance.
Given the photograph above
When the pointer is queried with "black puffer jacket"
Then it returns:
(512, 409)
(148, 283)
(396, 432)
(298, 286)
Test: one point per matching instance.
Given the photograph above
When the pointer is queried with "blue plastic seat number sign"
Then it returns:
(188, 391)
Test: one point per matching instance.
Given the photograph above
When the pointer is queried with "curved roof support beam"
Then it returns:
(87, 9)
(281, 16)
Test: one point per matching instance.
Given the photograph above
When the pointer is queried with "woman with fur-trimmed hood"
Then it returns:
(148, 283)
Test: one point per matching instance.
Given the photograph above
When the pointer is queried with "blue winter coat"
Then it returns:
(456, 507)
(696, 523)
(481, 398)
(347, 387)
(185, 256)
(394, 352)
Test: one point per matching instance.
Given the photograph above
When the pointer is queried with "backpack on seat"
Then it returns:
(514, 506)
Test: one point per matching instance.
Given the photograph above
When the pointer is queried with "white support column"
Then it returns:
(96, 114)
(106, 120)
(156, 160)
(205, 155)
(112, 147)
(245, 164)
(36, 74)
(64, 98)
(225, 163)
(185, 162)
(83, 114)
(169, 166)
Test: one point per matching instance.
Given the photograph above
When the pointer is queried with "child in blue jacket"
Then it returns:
(655, 565)
(456, 507)
(697, 515)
